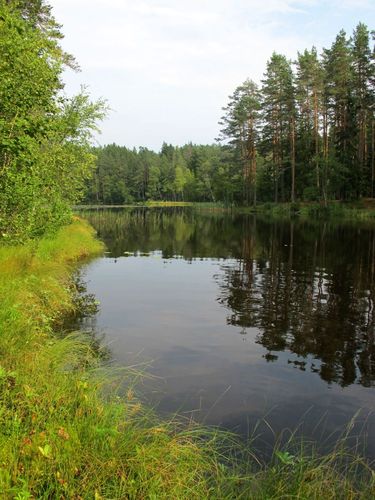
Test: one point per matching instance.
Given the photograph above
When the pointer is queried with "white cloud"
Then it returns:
(355, 4)
(160, 38)
(187, 55)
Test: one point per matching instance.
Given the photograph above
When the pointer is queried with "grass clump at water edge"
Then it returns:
(64, 432)
(60, 437)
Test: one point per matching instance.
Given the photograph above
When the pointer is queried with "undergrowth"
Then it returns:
(66, 434)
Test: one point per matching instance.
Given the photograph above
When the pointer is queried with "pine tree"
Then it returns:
(279, 116)
(363, 72)
(309, 93)
(240, 128)
(340, 107)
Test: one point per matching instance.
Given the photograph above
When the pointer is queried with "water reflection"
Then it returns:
(307, 288)
(175, 232)
(310, 291)
(83, 316)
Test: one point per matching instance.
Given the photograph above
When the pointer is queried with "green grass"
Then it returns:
(66, 434)
(357, 210)
(60, 437)
(297, 470)
(360, 210)
(152, 203)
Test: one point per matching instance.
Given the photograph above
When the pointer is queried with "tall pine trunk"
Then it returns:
(293, 157)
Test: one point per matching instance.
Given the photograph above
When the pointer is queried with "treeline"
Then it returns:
(307, 133)
(190, 172)
(45, 151)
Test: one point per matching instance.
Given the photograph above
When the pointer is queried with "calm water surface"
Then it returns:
(242, 319)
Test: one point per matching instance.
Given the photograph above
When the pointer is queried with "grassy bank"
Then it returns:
(59, 436)
(64, 432)
(363, 209)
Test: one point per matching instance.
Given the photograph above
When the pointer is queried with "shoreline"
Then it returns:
(65, 433)
(364, 209)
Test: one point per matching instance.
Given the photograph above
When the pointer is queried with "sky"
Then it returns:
(167, 67)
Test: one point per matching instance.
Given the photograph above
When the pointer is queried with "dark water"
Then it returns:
(243, 319)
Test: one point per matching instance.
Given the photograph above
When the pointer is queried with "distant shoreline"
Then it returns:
(362, 209)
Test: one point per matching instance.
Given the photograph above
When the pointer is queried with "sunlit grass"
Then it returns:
(65, 433)
(151, 203)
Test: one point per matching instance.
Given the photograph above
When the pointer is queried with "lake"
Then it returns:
(245, 322)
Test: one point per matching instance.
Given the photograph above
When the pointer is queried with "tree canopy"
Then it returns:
(306, 133)
(45, 152)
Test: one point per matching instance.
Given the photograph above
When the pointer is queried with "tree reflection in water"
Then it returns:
(307, 287)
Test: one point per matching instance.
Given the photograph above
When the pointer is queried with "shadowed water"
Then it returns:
(242, 319)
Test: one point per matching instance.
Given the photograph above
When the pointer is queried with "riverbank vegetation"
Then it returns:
(65, 432)
(60, 437)
(45, 154)
(363, 209)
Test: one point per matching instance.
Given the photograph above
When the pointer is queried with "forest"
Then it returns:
(306, 134)
(71, 425)
(45, 137)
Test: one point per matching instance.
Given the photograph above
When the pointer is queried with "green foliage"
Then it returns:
(44, 137)
(279, 116)
(308, 134)
(187, 173)
(59, 436)
(65, 432)
(241, 129)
